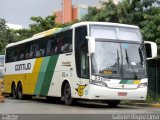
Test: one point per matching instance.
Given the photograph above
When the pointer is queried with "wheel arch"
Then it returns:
(19, 82)
(13, 84)
(63, 85)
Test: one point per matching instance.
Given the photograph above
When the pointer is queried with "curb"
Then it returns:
(156, 105)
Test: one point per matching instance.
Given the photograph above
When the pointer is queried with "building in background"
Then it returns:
(70, 13)
(59, 16)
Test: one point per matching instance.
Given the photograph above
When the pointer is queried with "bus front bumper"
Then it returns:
(104, 93)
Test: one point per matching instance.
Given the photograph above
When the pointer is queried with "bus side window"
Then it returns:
(52, 46)
(40, 48)
(60, 43)
(21, 52)
(67, 38)
(64, 42)
(84, 61)
(16, 56)
(27, 50)
(81, 50)
(22, 56)
(9, 55)
(32, 50)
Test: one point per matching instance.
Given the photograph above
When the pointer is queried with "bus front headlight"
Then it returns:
(97, 80)
(142, 85)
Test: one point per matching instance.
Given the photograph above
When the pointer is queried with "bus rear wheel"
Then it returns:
(68, 100)
(14, 91)
(20, 91)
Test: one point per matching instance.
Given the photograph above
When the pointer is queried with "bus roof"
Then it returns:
(36, 36)
(104, 23)
(47, 33)
(57, 30)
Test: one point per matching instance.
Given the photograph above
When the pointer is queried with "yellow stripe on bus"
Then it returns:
(136, 82)
(34, 76)
(28, 80)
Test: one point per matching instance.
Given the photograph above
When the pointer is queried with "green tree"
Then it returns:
(92, 12)
(22, 34)
(151, 26)
(41, 24)
(3, 35)
(9, 35)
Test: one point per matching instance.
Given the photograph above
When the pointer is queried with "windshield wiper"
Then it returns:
(141, 53)
(129, 64)
(118, 58)
(127, 58)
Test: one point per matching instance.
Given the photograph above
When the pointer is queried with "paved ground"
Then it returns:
(40, 106)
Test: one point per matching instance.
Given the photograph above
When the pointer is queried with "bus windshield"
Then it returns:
(119, 52)
(115, 33)
(107, 59)
(118, 60)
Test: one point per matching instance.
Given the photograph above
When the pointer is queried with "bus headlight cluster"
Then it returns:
(142, 85)
(97, 80)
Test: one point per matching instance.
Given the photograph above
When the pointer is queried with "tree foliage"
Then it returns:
(9, 35)
(4, 35)
(41, 24)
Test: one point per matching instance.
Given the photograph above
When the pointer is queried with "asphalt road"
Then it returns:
(41, 106)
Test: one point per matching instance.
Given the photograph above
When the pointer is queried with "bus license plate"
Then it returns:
(122, 93)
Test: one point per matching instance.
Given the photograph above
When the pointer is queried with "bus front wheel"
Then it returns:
(68, 100)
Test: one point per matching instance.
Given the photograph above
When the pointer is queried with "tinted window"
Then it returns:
(64, 41)
(40, 47)
(52, 46)
(148, 50)
(81, 50)
(60, 43)
(27, 50)
(57, 44)
(10, 52)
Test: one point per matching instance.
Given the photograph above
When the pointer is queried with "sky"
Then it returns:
(20, 11)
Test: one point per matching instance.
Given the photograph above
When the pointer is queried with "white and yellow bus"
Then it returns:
(88, 60)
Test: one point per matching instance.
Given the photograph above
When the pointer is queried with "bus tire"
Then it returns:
(20, 91)
(14, 91)
(68, 100)
(113, 103)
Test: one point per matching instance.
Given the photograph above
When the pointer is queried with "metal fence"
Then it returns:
(154, 77)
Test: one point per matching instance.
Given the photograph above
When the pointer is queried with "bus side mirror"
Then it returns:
(151, 49)
(91, 44)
